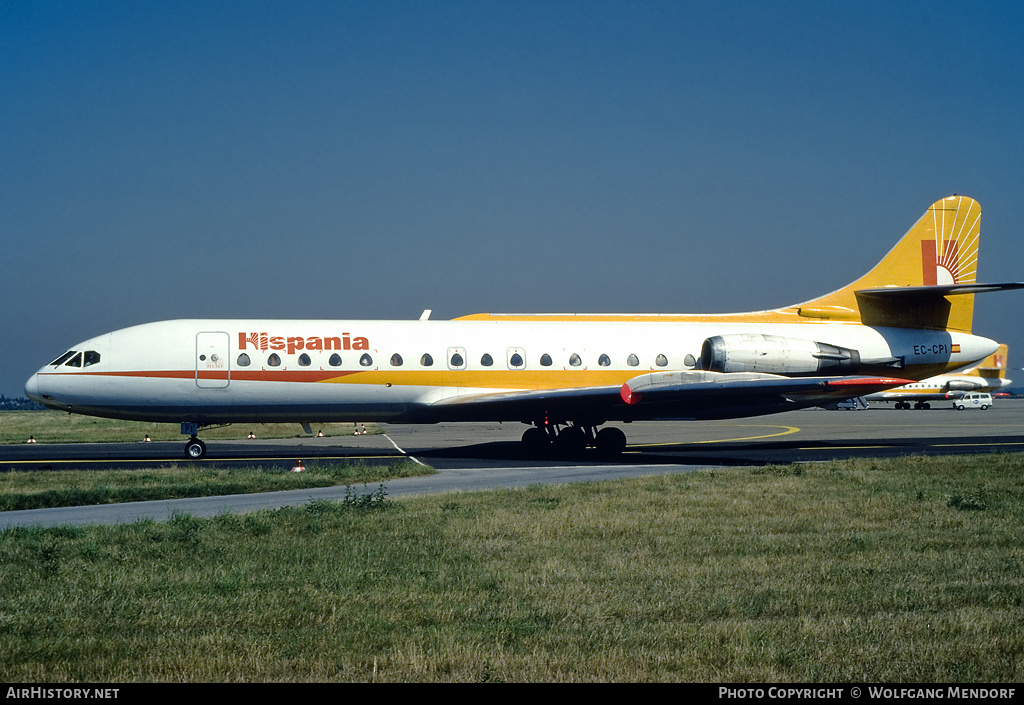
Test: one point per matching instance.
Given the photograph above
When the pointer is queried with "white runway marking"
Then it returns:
(399, 449)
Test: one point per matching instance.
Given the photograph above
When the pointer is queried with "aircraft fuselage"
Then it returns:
(227, 371)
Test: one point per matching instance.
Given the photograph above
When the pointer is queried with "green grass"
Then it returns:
(59, 427)
(865, 570)
(72, 488)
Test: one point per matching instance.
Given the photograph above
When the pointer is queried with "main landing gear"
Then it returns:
(574, 439)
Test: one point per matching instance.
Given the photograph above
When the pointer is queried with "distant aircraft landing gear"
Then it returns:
(574, 439)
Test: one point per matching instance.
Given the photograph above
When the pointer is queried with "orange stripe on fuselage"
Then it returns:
(486, 379)
(556, 378)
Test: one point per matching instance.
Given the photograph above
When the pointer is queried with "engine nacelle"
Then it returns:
(963, 385)
(774, 354)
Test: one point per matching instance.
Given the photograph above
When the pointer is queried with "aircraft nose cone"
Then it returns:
(32, 388)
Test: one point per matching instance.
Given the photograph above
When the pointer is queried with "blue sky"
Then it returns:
(372, 159)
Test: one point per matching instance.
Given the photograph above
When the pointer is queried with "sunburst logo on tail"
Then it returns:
(951, 257)
(941, 268)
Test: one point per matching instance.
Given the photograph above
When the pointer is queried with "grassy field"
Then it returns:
(35, 490)
(73, 488)
(59, 427)
(904, 570)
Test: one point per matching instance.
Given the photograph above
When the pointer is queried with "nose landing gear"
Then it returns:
(195, 449)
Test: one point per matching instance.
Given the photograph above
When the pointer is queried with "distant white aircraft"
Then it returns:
(989, 375)
(565, 375)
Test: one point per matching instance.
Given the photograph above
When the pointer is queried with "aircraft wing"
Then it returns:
(670, 395)
(666, 387)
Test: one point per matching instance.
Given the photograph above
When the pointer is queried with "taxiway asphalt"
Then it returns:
(471, 457)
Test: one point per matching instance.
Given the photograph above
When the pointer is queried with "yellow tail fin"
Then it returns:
(940, 249)
(993, 366)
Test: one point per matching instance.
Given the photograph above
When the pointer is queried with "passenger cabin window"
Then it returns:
(366, 360)
(604, 360)
(545, 360)
(575, 360)
(243, 360)
(396, 360)
(632, 360)
(456, 358)
(689, 360)
(335, 360)
(426, 360)
(274, 360)
(516, 358)
(304, 360)
(486, 360)
(661, 361)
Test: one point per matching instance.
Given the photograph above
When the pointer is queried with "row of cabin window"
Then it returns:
(515, 360)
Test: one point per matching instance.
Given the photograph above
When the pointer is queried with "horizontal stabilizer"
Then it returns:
(921, 306)
(914, 292)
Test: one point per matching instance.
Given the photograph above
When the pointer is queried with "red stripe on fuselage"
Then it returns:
(236, 375)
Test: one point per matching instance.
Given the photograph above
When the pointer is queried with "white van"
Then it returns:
(974, 400)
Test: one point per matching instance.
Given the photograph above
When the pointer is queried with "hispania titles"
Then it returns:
(291, 343)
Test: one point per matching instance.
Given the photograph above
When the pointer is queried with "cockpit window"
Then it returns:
(63, 358)
(73, 358)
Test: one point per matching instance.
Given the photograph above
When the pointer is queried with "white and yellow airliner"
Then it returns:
(989, 375)
(565, 375)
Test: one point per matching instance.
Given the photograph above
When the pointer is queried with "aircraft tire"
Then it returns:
(610, 441)
(195, 449)
(534, 439)
(571, 440)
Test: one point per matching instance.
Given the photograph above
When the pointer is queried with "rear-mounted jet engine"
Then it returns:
(773, 354)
